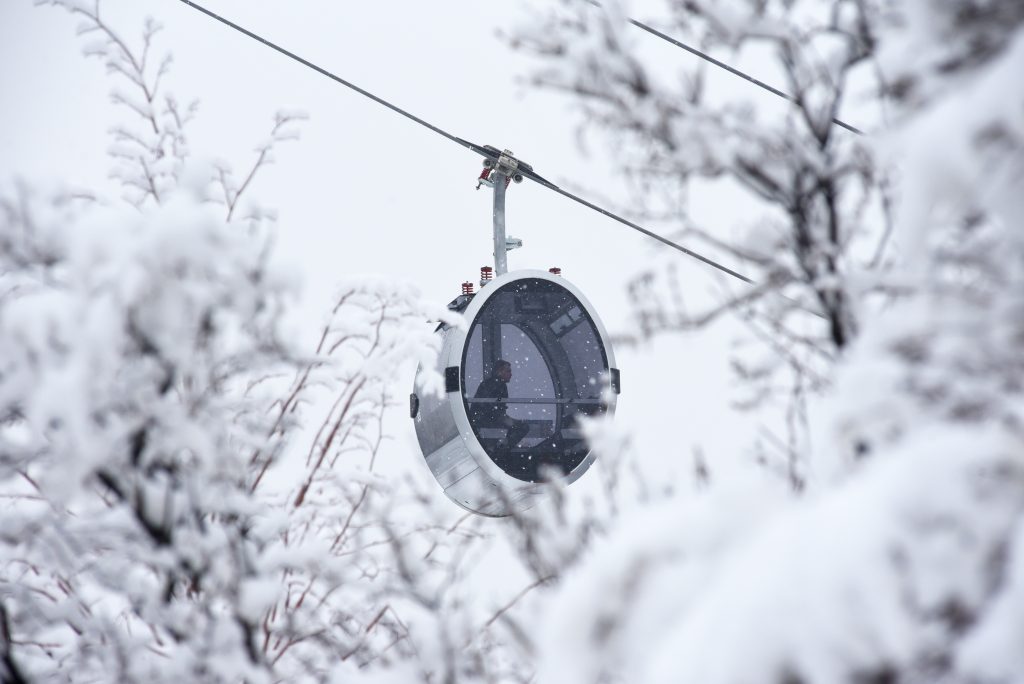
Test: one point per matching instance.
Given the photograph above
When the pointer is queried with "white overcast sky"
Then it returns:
(367, 191)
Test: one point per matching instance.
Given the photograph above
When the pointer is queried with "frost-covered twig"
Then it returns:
(279, 133)
(810, 181)
(149, 156)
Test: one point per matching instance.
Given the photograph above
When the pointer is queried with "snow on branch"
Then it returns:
(120, 353)
(156, 132)
(889, 549)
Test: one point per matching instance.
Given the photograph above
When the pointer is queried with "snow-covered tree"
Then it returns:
(810, 242)
(155, 528)
(901, 561)
(188, 493)
(131, 334)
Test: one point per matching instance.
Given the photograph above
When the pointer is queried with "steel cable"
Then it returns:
(487, 152)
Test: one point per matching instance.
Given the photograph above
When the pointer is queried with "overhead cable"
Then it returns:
(486, 151)
(722, 65)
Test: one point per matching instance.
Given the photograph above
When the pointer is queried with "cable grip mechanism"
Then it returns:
(498, 167)
(502, 162)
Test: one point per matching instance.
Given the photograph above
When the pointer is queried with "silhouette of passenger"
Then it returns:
(496, 414)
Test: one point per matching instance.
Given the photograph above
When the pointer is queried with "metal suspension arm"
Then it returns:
(498, 173)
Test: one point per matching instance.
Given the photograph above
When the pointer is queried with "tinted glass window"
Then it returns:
(533, 362)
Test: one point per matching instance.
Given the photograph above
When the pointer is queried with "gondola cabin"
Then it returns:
(533, 360)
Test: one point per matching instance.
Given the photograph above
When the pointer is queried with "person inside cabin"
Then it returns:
(496, 414)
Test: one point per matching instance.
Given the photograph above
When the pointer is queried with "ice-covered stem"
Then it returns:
(338, 506)
(263, 456)
(10, 673)
(280, 132)
(353, 407)
(810, 191)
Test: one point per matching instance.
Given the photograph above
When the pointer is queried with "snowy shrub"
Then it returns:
(126, 341)
(812, 241)
(129, 336)
(155, 525)
(900, 559)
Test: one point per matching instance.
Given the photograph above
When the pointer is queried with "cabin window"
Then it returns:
(525, 414)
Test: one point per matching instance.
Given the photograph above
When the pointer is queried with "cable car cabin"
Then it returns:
(534, 359)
